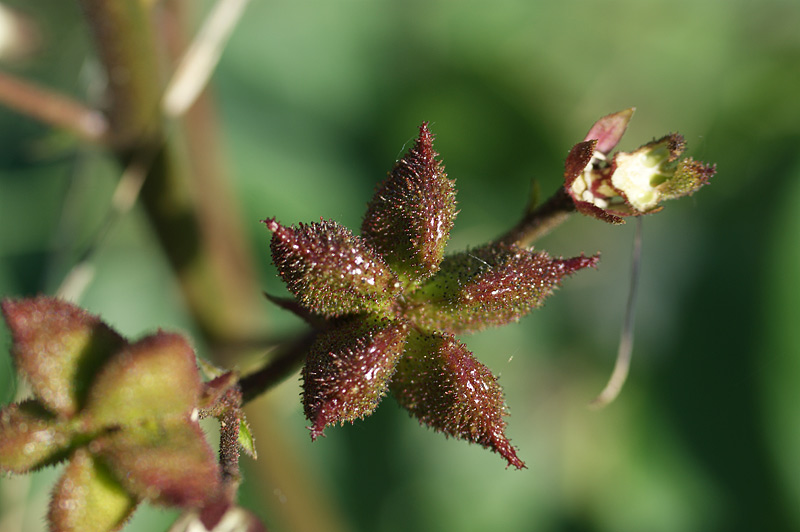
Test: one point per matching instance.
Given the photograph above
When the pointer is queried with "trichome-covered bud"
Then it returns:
(409, 219)
(488, 286)
(629, 184)
(331, 271)
(348, 370)
(441, 384)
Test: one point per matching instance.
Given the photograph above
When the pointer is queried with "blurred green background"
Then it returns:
(317, 99)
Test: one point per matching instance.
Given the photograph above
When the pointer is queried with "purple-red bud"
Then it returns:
(409, 219)
(331, 271)
(441, 384)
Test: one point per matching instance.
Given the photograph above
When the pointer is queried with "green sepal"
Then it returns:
(88, 498)
(154, 378)
(31, 437)
(58, 347)
(690, 176)
(170, 464)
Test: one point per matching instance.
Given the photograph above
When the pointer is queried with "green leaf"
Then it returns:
(88, 498)
(58, 347)
(155, 378)
(246, 441)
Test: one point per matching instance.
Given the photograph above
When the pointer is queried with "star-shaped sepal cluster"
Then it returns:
(388, 304)
(629, 184)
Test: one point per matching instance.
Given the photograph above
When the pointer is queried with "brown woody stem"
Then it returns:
(538, 222)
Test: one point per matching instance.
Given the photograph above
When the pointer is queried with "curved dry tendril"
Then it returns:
(623, 362)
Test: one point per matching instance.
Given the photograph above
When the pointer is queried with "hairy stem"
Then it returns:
(538, 222)
(229, 443)
(288, 359)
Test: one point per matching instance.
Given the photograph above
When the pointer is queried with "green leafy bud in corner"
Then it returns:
(120, 412)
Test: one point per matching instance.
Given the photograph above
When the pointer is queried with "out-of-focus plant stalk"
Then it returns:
(53, 108)
(185, 199)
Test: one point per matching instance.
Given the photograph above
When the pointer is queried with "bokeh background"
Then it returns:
(316, 101)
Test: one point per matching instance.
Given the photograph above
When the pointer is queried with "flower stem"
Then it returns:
(539, 221)
(287, 360)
